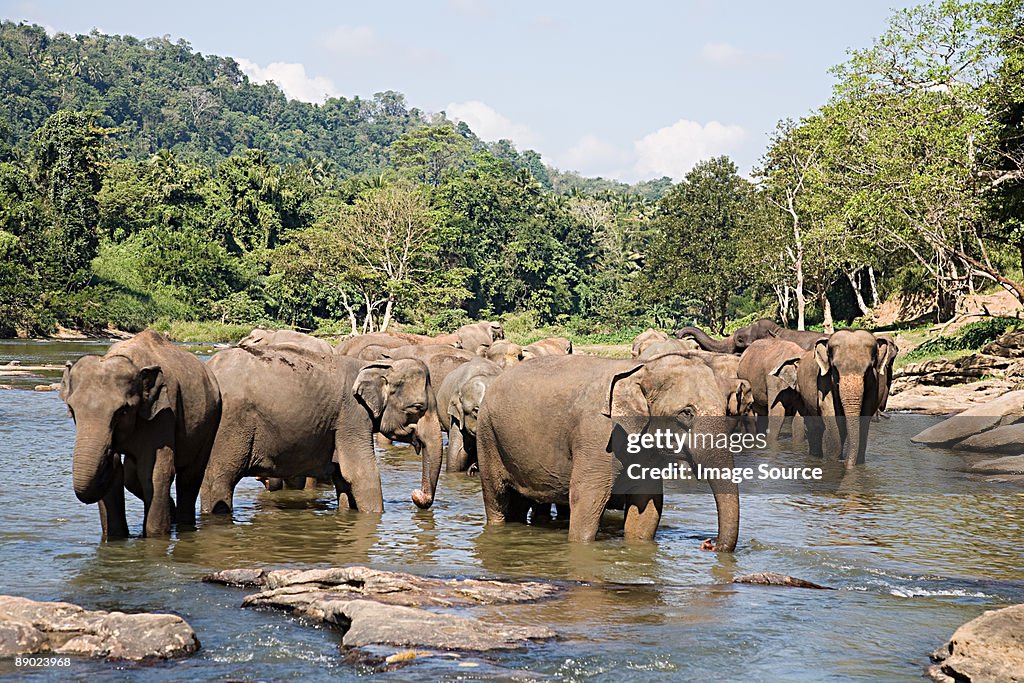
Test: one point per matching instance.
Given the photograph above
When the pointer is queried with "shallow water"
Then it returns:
(910, 566)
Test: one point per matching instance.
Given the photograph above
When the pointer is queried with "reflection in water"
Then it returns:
(910, 562)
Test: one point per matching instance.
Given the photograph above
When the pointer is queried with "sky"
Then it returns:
(625, 90)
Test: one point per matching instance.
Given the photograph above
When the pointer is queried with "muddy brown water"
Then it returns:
(910, 566)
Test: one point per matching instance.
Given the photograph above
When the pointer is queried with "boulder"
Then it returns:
(1004, 439)
(931, 400)
(1009, 345)
(28, 627)
(989, 648)
(1005, 410)
(1012, 465)
(949, 372)
(776, 579)
(373, 607)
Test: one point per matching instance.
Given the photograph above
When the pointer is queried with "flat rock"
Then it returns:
(29, 627)
(931, 400)
(776, 579)
(988, 648)
(1004, 439)
(374, 607)
(1011, 464)
(949, 372)
(1008, 345)
(1004, 410)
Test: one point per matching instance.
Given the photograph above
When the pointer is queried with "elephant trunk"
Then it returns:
(851, 397)
(428, 434)
(706, 342)
(92, 465)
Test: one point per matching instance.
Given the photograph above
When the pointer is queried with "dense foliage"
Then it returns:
(142, 182)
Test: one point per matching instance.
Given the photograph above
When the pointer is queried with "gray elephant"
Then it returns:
(354, 346)
(839, 384)
(289, 414)
(739, 340)
(545, 434)
(770, 366)
(459, 399)
(552, 346)
(645, 339)
(885, 381)
(440, 359)
(286, 339)
(476, 336)
(503, 352)
(667, 346)
(156, 405)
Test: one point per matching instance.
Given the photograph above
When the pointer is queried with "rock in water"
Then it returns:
(1005, 410)
(1011, 464)
(1006, 439)
(775, 579)
(374, 607)
(989, 648)
(28, 627)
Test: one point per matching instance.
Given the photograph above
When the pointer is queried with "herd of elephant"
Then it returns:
(534, 422)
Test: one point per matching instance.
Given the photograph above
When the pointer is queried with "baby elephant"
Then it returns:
(459, 399)
(156, 405)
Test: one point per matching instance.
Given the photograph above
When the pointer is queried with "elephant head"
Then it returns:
(737, 342)
(851, 363)
(504, 353)
(464, 406)
(685, 391)
(400, 399)
(105, 397)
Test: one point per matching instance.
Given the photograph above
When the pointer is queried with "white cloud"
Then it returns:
(721, 54)
(670, 151)
(490, 125)
(674, 150)
(359, 41)
(594, 156)
(291, 78)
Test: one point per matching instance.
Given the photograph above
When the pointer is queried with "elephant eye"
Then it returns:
(688, 411)
(416, 407)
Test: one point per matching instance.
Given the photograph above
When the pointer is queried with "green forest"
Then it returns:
(144, 184)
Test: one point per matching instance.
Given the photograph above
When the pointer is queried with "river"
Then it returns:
(910, 565)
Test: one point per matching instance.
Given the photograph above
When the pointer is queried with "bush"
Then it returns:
(970, 337)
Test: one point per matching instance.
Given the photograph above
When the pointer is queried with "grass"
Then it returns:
(201, 330)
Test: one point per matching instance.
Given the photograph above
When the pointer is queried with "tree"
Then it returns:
(694, 254)
(428, 152)
(68, 156)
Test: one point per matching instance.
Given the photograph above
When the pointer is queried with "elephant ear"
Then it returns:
(371, 388)
(625, 396)
(456, 416)
(65, 382)
(738, 397)
(821, 357)
(786, 371)
(887, 351)
(153, 389)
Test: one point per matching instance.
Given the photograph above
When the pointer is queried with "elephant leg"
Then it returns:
(187, 481)
(562, 511)
(344, 491)
(156, 476)
(357, 465)
(540, 513)
(776, 418)
(131, 477)
(587, 499)
(229, 461)
(112, 515)
(799, 429)
(310, 484)
(814, 427)
(643, 513)
(494, 479)
(458, 460)
(382, 441)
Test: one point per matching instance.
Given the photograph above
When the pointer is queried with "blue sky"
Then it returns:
(626, 90)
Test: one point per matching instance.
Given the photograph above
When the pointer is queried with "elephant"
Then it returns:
(545, 437)
(770, 365)
(288, 339)
(646, 338)
(156, 405)
(552, 346)
(739, 340)
(737, 393)
(459, 399)
(475, 336)
(668, 346)
(354, 346)
(503, 352)
(288, 414)
(838, 381)
(440, 359)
